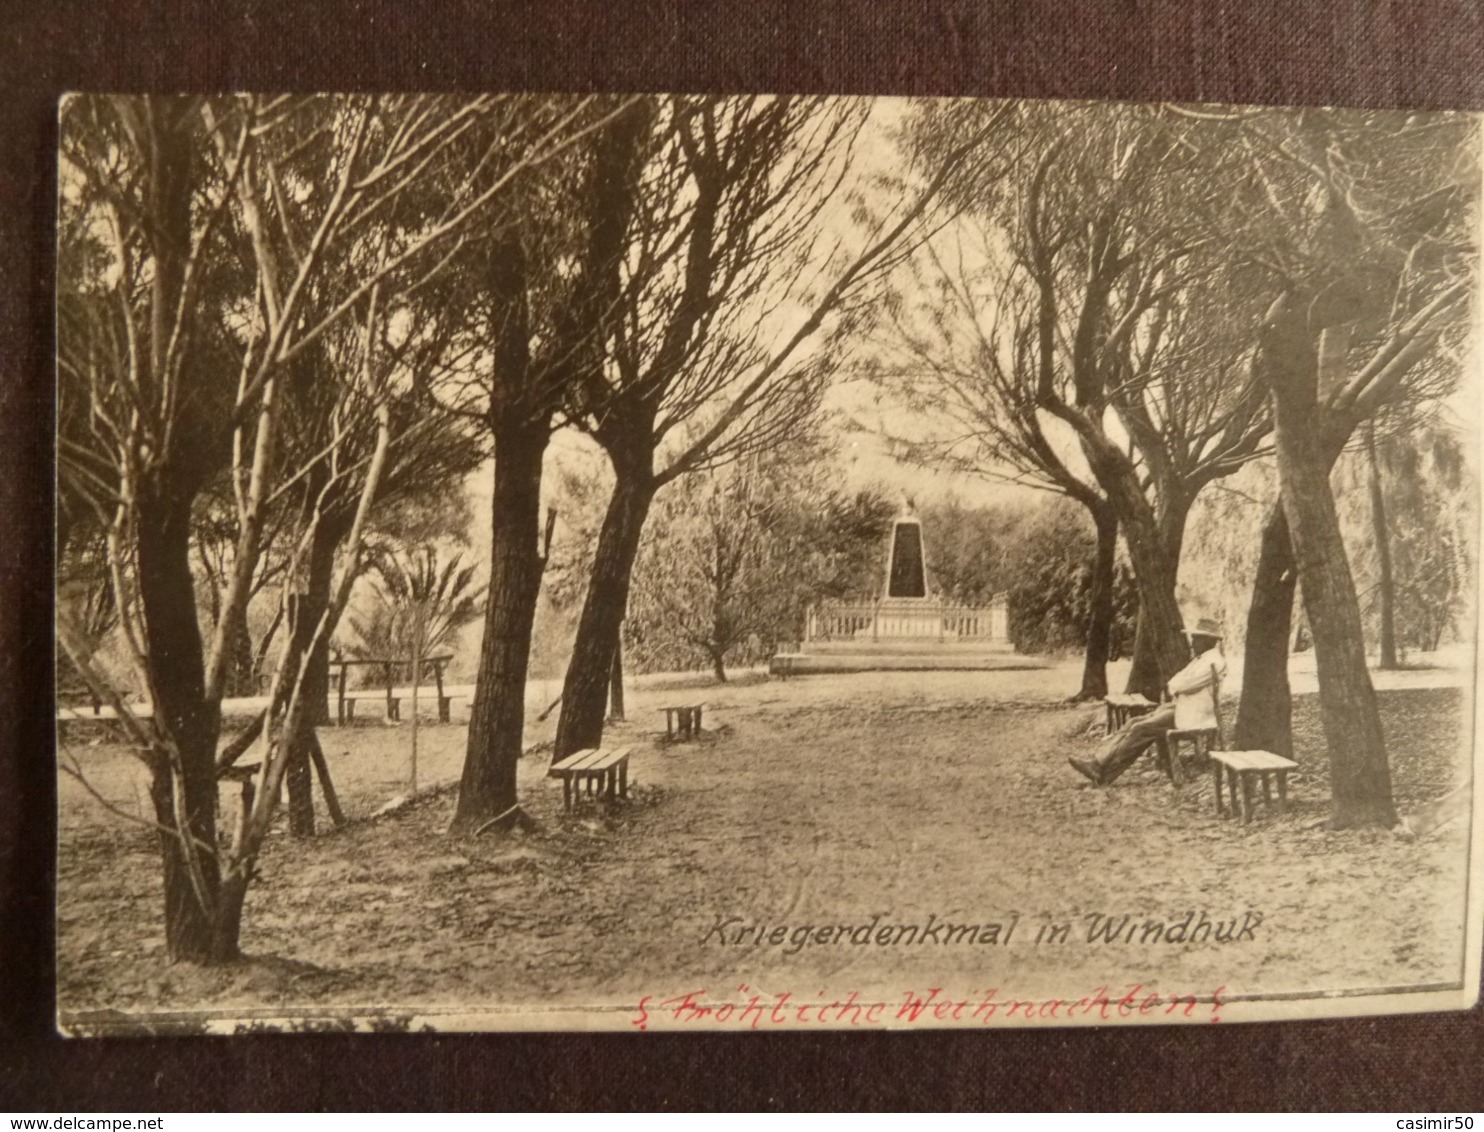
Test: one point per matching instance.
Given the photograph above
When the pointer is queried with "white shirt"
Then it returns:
(1195, 688)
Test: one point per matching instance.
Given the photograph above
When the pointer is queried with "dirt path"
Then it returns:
(899, 801)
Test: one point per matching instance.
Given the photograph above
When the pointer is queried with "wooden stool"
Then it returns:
(682, 721)
(1243, 769)
(1202, 740)
(1123, 708)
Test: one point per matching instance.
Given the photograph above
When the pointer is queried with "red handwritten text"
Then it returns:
(934, 1006)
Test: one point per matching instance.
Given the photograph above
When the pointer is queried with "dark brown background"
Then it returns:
(1412, 53)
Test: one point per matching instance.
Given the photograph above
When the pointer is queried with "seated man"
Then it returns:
(1194, 690)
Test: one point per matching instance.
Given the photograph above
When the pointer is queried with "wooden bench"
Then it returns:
(1240, 771)
(682, 721)
(607, 769)
(1122, 708)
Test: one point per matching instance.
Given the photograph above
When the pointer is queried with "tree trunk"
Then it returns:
(585, 690)
(242, 678)
(326, 783)
(183, 785)
(1360, 777)
(190, 916)
(1160, 616)
(1100, 607)
(1146, 538)
(299, 780)
(419, 614)
(1265, 714)
(1155, 650)
(718, 667)
(265, 643)
(497, 723)
(190, 723)
(228, 925)
(1385, 585)
(615, 683)
(305, 611)
(1143, 671)
(1113, 468)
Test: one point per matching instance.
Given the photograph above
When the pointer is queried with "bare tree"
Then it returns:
(961, 356)
(427, 450)
(1359, 224)
(1107, 314)
(216, 241)
(734, 277)
(537, 291)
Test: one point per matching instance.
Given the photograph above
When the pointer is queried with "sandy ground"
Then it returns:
(893, 799)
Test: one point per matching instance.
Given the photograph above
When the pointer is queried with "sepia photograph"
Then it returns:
(763, 563)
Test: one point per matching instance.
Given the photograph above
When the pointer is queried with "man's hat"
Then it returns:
(1207, 627)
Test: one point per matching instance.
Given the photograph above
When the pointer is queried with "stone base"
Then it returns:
(921, 660)
(906, 646)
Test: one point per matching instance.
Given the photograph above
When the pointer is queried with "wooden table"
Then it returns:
(75, 692)
(389, 668)
(1122, 708)
(1242, 770)
(682, 721)
(607, 769)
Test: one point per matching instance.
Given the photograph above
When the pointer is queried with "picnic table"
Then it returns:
(603, 768)
(70, 694)
(345, 705)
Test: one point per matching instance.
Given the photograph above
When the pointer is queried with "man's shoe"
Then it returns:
(1088, 768)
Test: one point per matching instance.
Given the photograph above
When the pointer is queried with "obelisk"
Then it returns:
(906, 568)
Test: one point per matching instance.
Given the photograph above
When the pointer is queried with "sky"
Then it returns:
(865, 456)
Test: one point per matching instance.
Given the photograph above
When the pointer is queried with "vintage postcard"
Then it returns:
(757, 563)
